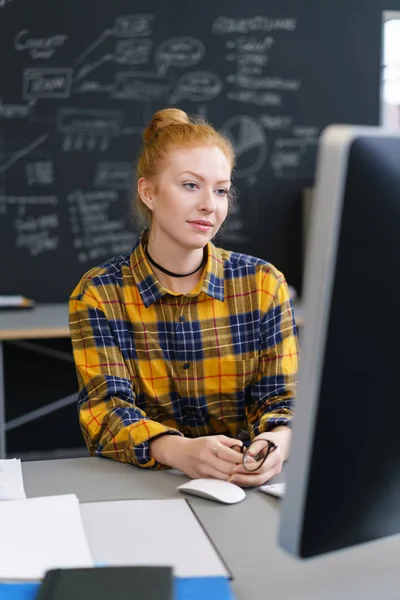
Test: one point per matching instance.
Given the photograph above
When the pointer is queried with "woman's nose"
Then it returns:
(208, 201)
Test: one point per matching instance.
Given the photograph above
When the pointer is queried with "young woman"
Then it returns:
(182, 349)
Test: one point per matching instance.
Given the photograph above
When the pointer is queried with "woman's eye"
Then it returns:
(190, 185)
(222, 192)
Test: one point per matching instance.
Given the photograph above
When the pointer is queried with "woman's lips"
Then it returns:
(202, 226)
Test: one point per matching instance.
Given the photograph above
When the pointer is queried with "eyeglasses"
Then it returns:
(256, 453)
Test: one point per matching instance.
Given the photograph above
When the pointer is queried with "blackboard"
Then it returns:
(80, 79)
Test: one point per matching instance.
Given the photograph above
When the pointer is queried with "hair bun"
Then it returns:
(162, 118)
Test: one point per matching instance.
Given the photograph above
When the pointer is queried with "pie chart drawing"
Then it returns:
(248, 139)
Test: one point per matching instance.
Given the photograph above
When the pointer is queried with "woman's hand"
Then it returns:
(281, 436)
(209, 456)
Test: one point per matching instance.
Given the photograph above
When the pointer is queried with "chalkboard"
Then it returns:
(79, 80)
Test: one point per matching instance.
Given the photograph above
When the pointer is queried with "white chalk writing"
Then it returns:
(39, 47)
(225, 25)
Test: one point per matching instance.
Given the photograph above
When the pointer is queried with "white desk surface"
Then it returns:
(245, 534)
(51, 321)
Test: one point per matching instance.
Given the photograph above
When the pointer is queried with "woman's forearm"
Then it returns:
(282, 436)
(165, 449)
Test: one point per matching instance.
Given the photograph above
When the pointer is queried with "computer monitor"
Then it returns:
(343, 474)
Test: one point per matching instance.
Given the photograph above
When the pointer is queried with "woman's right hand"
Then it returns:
(208, 456)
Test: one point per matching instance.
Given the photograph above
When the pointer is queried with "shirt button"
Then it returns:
(186, 365)
(181, 318)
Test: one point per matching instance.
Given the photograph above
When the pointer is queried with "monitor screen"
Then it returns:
(343, 474)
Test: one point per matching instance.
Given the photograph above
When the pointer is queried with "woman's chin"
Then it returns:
(195, 240)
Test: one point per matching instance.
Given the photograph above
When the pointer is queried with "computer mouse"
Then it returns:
(214, 489)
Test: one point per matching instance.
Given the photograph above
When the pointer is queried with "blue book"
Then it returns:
(212, 588)
(199, 588)
(18, 591)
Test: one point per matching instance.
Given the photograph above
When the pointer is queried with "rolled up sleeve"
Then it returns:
(273, 392)
(112, 424)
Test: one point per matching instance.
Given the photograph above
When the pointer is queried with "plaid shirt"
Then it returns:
(217, 360)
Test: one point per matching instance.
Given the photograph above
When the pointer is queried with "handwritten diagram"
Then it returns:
(83, 102)
(40, 173)
(114, 175)
(39, 48)
(250, 144)
(88, 129)
(199, 86)
(46, 83)
(178, 52)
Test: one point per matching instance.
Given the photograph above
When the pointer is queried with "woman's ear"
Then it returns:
(145, 190)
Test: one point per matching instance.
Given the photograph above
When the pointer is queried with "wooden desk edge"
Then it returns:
(31, 334)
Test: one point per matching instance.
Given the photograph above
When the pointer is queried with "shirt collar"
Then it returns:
(211, 283)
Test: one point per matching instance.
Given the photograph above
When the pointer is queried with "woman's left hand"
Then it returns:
(281, 436)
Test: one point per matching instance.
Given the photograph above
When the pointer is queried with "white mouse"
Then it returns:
(214, 489)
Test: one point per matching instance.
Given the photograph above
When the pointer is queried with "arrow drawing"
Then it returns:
(21, 153)
(86, 69)
(96, 43)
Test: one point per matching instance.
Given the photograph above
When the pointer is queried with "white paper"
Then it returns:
(151, 532)
(11, 482)
(11, 300)
(39, 534)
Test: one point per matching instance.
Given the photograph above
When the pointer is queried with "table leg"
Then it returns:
(2, 407)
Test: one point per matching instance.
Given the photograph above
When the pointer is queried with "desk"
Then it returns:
(244, 533)
(44, 321)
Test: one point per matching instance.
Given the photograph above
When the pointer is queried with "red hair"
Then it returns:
(169, 128)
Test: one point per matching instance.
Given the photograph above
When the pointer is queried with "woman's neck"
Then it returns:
(177, 260)
(179, 285)
(174, 258)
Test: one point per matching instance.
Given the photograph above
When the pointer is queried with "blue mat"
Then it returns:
(212, 588)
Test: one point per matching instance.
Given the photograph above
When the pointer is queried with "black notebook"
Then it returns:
(108, 583)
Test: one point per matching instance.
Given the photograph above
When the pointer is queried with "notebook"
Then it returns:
(108, 583)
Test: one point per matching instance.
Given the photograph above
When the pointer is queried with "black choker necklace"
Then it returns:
(160, 268)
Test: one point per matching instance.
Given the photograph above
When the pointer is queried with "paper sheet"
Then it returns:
(11, 482)
(14, 301)
(38, 534)
(151, 532)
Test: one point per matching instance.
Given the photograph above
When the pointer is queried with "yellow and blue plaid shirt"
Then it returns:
(218, 360)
